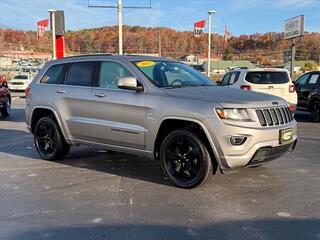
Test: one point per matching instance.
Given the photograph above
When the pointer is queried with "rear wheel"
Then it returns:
(315, 111)
(7, 109)
(49, 140)
(185, 159)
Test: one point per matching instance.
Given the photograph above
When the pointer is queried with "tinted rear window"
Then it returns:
(54, 75)
(80, 74)
(267, 77)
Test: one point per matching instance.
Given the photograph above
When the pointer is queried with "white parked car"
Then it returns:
(19, 82)
(273, 81)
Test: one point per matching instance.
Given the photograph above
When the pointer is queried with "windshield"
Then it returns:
(24, 77)
(267, 77)
(166, 74)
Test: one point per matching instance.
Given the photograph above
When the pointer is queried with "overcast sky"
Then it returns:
(241, 16)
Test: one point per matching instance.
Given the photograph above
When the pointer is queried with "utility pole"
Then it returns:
(209, 41)
(119, 8)
(53, 27)
(293, 53)
(120, 26)
(159, 41)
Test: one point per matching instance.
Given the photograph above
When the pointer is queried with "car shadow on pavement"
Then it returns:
(116, 163)
(293, 229)
(16, 115)
(20, 143)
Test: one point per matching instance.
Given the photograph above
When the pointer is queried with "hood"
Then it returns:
(227, 97)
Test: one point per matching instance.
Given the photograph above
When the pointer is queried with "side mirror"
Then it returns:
(129, 83)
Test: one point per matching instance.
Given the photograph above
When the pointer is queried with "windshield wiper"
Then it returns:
(196, 85)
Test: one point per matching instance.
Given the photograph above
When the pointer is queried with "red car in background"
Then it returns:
(5, 98)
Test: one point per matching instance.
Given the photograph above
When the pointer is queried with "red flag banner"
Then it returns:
(42, 26)
(198, 28)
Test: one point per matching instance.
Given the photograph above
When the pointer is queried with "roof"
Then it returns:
(260, 70)
(127, 57)
(225, 64)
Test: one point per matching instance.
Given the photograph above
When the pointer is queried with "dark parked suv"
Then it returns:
(308, 90)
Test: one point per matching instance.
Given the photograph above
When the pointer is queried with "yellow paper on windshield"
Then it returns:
(145, 64)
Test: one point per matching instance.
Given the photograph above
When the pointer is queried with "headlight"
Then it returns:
(237, 114)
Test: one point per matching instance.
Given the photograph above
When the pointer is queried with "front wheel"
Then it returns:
(49, 140)
(315, 111)
(185, 159)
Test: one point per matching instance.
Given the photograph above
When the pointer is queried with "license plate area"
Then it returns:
(285, 135)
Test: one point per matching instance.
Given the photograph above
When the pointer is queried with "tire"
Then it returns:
(315, 111)
(49, 140)
(5, 112)
(185, 159)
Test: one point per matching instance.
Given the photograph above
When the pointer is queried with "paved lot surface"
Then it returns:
(95, 194)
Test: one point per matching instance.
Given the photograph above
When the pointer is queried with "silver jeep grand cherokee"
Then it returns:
(158, 108)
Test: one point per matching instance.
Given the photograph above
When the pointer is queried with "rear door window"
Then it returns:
(54, 75)
(81, 74)
(303, 79)
(265, 77)
(314, 79)
(230, 78)
(225, 80)
(234, 78)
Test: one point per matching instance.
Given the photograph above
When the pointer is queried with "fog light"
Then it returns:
(237, 140)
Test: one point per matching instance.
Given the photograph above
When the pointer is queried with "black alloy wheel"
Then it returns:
(315, 111)
(185, 159)
(49, 140)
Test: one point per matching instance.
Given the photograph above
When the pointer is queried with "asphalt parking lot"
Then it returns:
(95, 194)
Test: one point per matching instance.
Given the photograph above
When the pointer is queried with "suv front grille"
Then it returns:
(274, 116)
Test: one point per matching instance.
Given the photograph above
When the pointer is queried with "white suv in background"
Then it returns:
(266, 80)
(20, 82)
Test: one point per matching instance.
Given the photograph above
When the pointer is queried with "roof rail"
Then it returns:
(233, 68)
(90, 55)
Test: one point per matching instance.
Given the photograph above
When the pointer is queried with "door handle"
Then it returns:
(100, 95)
(61, 91)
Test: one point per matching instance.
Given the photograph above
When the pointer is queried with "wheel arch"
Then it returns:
(314, 98)
(42, 111)
(170, 123)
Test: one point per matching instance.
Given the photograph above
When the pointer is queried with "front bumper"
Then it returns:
(258, 139)
(266, 154)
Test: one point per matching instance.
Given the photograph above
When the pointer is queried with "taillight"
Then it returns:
(27, 91)
(292, 88)
(245, 87)
(292, 108)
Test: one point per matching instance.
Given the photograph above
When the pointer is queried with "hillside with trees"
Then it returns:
(265, 48)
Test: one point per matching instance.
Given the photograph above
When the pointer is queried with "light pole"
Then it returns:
(53, 26)
(120, 8)
(120, 26)
(210, 13)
